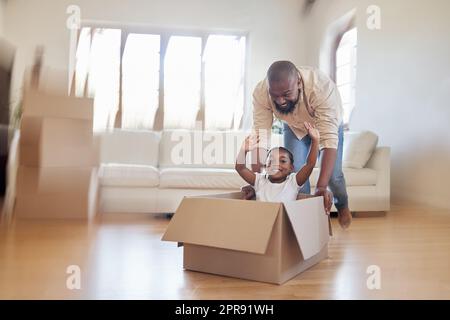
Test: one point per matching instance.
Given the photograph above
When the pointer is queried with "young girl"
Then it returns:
(280, 183)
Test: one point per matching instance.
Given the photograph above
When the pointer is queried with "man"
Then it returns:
(295, 95)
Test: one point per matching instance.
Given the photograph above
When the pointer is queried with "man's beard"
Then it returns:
(290, 106)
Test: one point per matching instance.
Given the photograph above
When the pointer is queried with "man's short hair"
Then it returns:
(280, 70)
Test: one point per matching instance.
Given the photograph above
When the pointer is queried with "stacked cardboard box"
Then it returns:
(58, 158)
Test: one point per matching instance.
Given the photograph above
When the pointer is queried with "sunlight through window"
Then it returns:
(220, 61)
(99, 61)
(346, 71)
(140, 81)
(224, 81)
(182, 70)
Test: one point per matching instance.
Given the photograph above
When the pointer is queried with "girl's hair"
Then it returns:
(291, 156)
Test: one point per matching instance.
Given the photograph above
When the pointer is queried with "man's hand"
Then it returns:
(248, 193)
(327, 198)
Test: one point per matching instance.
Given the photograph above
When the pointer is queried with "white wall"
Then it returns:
(403, 88)
(2, 19)
(274, 28)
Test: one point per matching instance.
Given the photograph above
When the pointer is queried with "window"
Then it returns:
(346, 71)
(224, 81)
(182, 82)
(133, 75)
(98, 72)
(140, 81)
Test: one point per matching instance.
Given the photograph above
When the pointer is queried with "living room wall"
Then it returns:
(274, 30)
(402, 90)
(2, 18)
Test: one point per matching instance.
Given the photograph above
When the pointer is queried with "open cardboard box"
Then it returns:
(261, 241)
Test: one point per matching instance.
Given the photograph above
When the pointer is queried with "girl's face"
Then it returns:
(278, 165)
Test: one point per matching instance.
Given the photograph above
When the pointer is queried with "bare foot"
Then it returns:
(344, 217)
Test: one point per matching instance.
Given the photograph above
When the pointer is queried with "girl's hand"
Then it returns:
(250, 143)
(312, 131)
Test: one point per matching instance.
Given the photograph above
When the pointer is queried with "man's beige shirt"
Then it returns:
(319, 104)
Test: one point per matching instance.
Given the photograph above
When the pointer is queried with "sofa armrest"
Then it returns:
(380, 158)
(381, 163)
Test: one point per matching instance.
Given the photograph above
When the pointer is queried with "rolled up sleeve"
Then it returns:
(262, 114)
(328, 113)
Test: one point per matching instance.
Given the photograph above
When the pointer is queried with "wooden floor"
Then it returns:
(122, 257)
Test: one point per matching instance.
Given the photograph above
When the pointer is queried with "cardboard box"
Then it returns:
(63, 204)
(261, 241)
(34, 181)
(57, 142)
(43, 104)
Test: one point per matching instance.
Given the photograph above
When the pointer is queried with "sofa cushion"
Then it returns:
(200, 178)
(202, 149)
(127, 175)
(358, 148)
(353, 177)
(197, 149)
(129, 147)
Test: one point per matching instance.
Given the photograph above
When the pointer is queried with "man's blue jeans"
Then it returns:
(300, 150)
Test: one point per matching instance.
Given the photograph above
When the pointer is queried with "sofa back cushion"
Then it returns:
(202, 149)
(358, 148)
(129, 147)
(206, 149)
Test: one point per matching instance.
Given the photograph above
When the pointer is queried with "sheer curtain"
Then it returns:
(182, 82)
(140, 81)
(224, 81)
(220, 61)
(346, 71)
(98, 65)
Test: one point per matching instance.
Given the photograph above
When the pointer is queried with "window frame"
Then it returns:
(165, 34)
(349, 26)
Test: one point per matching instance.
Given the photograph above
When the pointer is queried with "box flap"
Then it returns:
(310, 224)
(224, 223)
(42, 104)
(227, 195)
